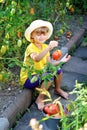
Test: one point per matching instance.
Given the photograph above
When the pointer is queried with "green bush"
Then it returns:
(78, 108)
(80, 6)
(15, 17)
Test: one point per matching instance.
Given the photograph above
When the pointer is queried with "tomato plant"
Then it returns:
(56, 54)
(16, 16)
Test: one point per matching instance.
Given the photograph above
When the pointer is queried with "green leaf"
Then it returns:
(11, 65)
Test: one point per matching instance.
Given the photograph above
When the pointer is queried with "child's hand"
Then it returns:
(53, 44)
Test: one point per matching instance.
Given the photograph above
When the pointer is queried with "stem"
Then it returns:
(62, 115)
(77, 121)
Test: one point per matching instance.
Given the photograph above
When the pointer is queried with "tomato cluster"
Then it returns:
(51, 109)
(56, 54)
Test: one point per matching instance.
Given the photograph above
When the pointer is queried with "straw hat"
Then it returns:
(37, 24)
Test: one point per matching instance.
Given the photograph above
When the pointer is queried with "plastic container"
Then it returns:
(64, 51)
(54, 123)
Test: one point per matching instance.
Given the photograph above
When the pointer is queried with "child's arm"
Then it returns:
(66, 58)
(38, 57)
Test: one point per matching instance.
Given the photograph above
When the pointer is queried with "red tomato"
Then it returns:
(46, 109)
(51, 109)
(47, 115)
(56, 54)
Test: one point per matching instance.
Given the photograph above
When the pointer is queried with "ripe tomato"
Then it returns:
(32, 11)
(46, 109)
(51, 109)
(19, 34)
(56, 54)
(72, 10)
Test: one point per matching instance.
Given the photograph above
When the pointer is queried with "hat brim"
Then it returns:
(37, 24)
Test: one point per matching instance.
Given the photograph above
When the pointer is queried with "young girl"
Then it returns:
(37, 33)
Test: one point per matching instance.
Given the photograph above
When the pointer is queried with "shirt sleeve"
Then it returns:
(29, 50)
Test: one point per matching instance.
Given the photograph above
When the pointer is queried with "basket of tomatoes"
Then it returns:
(53, 113)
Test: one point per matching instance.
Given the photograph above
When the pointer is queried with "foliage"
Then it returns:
(15, 16)
(80, 6)
(85, 40)
(77, 117)
(46, 74)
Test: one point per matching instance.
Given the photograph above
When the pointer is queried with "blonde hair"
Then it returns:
(31, 38)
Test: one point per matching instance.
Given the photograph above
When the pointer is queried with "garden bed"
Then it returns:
(12, 89)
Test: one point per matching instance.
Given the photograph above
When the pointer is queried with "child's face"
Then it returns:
(40, 35)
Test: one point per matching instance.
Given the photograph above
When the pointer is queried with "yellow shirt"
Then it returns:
(37, 65)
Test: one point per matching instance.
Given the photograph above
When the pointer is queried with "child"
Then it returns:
(37, 33)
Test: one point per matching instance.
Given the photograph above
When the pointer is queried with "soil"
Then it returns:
(9, 91)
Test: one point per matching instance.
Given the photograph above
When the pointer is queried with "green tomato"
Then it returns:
(19, 43)
(1, 77)
(61, 31)
(23, 69)
(67, 4)
(12, 11)
(73, 114)
(24, 41)
(7, 36)
(14, 3)
(2, 1)
(8, 26)
(34, 79)
(3, 49)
